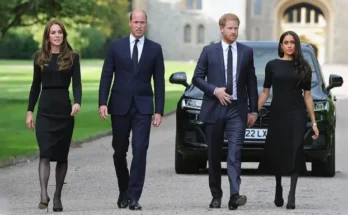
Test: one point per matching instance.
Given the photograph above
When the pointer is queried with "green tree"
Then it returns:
(109, 15)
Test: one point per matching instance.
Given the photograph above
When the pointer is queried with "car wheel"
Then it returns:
(188, 165)
(326, 168)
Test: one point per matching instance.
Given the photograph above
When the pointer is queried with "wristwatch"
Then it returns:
(314, 124)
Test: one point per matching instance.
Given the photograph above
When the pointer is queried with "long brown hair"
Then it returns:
(65, 58)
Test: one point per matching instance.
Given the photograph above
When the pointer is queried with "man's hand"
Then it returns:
(157, 120)
(251, 119)
(224, 98)
(103, 112)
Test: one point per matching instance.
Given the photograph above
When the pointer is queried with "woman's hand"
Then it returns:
(75, 109)
(316, 131)
(30, 121)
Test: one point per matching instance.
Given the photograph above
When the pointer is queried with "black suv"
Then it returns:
(190, 147)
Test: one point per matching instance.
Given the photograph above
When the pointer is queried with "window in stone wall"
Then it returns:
(189, 4)
(199, 4)
(193, 4)
(257, 7)
(200, 34)
(187, 33)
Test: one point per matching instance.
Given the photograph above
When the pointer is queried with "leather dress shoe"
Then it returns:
(122, 201)
(236, 201)
(215, 203)
(134, 205)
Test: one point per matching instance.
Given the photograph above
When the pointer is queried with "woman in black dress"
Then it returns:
(290, 78)
(54, 67)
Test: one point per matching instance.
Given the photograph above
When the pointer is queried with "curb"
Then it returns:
(11, 161)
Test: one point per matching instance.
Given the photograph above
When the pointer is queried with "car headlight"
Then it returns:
(320, 106)
(191, 103)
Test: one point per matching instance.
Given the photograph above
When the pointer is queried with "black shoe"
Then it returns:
(44, 205)
(236, 201)
(215, 203)
(291, 202)
(123, 200)
(278, 200)
(134, 205)
(57, 205)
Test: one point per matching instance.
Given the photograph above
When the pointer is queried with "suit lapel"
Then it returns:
(127, 48)
(239, 59)
(221, 59)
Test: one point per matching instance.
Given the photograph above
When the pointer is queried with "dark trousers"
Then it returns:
(140, 124)
(229, 121)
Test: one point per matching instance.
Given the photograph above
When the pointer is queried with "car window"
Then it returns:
(263, 55)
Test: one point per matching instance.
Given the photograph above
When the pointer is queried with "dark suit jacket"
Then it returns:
(211, 66)
(128, 84)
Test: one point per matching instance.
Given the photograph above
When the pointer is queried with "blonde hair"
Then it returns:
(228, 17)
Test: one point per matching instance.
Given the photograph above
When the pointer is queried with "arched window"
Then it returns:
(200, 34)
(187, 33)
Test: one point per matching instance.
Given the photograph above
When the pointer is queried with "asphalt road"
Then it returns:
(91, 185)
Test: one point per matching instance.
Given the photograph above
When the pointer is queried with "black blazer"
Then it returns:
(128, 84)
(211, 66)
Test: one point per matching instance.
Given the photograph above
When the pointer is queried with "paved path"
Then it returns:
(91, 187)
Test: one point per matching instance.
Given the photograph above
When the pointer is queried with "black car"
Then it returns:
(190, 147)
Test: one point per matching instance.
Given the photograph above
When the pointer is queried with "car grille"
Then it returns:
(262, 121)
(191, 136)
(320, 141)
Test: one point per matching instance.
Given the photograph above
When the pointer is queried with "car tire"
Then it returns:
(188, 165)
(326, 168)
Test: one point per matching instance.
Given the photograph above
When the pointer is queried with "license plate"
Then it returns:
(252, 133)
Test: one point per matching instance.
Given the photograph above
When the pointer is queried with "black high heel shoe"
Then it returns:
(278, 200)
(291, 202)
(44, 205)
(57, 205)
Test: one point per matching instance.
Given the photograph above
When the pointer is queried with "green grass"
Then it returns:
(15, 82)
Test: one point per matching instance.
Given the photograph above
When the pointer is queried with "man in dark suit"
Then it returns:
(225, 73)
(132, 61)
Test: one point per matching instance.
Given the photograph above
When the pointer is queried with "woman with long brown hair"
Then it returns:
(290, 78)
(55, 65)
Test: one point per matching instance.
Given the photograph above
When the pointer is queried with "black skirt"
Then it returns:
(54, 125)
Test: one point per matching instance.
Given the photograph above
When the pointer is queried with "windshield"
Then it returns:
(265, 54)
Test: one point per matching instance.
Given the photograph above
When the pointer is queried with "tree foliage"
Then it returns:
(109, 15)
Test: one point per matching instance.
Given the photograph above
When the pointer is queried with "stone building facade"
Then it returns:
(184, 27)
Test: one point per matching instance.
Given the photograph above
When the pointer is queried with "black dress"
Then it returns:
(283, 152)
(54, 125)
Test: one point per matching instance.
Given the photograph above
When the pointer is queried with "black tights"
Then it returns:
(293, 183)
(44, 174)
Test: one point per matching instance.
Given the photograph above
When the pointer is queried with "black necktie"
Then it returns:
(135, 56)
(229, 88)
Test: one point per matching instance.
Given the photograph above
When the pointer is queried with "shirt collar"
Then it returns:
(132, 39)
(225, 45)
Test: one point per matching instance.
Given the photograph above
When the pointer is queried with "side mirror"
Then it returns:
(334, 81)
(179, 78)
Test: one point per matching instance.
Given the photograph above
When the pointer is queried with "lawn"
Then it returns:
(15, 82)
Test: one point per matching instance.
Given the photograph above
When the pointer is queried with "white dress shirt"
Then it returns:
(140, 45)
(234, 63)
